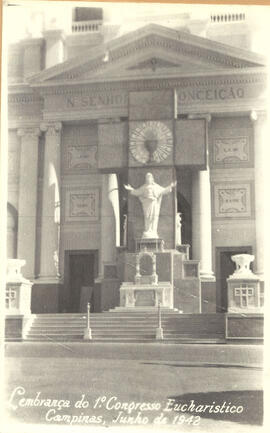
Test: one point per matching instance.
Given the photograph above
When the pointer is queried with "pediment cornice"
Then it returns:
(121, 55)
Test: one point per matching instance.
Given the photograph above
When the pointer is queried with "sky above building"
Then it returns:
(24, 18)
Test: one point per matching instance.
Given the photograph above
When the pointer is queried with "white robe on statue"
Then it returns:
(150, 196)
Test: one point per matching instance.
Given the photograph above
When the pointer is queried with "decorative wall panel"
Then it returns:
(231, 143)
(79, 149)
(231, 150)
(81, 157)
(82, 205)
(232, 200)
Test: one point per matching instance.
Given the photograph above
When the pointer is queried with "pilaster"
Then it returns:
(28, 198)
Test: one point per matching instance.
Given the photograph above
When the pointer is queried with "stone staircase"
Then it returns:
(129, 326)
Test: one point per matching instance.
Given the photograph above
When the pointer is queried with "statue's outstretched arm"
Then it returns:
(169, 188)
(128, 187)
(132, 190)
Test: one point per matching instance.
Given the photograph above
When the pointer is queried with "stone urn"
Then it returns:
(242, 262)
(14, 272)
(18, 289)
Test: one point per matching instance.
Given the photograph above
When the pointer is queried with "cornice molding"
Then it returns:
(29, 131)
(24, 98)
(61, 88)
(206, 116)
(29, 122)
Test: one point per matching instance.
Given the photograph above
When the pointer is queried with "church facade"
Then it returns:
(84, 122)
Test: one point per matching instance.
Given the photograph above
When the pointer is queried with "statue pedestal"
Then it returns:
(243, 287)
(18, 301)
(244, 295)
(149, 244)
(18, 289)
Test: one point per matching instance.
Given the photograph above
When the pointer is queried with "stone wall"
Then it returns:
(232, 182)
(81, 190)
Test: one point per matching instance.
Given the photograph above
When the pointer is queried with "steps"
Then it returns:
(128, 326)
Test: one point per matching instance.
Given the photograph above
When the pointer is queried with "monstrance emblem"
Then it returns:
(151, 142)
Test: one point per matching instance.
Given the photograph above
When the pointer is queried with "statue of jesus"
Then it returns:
(150, 195)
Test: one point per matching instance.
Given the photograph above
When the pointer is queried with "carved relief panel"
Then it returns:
(79, 149)
(231, 150)
(82, 204)
(232, 200)
(81, 157)
(232, 145)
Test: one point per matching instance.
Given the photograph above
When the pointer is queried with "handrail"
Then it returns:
(92, 26)
(88, 315)
(159, 315)
(227, 18)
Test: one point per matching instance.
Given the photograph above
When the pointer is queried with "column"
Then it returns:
(50, 220)
(201, 215)
(260, 136)
(113, 192)
(28, 198)
(201, 223)
(108, 223)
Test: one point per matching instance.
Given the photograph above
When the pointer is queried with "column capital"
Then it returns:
(258, 115)
(206, 116)
(51, 128)
(29, 131)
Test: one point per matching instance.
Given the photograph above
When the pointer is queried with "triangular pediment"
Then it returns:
(152, 51)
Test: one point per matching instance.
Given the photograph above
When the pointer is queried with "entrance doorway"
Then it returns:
(81, 270)
(224, 268)
(184, 208)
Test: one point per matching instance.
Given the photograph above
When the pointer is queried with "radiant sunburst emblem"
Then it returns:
(151, 142)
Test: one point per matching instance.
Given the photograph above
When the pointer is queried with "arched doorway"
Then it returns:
(12, 231)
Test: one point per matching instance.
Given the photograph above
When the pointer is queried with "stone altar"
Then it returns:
(146, 290)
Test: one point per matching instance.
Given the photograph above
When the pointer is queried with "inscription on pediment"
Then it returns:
(95, 100)
(210, 94)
